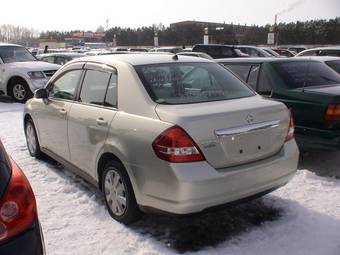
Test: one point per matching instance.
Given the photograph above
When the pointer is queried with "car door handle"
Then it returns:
(62, 112)
(101, 122)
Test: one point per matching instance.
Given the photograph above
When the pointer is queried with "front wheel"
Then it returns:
(118, 194)
(32, 139)
(20, 91)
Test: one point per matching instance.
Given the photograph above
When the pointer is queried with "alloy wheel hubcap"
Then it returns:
(19, 91)
(115, 192)
(31, 139)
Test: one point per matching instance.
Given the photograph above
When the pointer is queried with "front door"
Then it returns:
(52, 119)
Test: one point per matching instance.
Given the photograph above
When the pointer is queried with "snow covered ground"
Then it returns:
(301, 218)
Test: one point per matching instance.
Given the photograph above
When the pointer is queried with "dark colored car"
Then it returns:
(253, 51)
(219, 51)
(20, 232)
(332, 62)
(59, 58)
(308, 87)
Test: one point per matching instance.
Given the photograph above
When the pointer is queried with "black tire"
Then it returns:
(131, 212)
(20, 91)
(32, 138)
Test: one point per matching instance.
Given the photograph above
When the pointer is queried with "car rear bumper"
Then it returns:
(318, 139)
(198, 186)
(30, 242)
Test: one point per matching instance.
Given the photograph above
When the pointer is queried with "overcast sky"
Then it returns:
(88, 15)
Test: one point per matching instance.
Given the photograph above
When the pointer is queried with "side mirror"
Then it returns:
(41, 93)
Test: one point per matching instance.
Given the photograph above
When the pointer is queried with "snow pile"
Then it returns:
(301, 218)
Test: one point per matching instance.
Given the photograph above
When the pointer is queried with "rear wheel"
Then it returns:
(20, 91)
(32, 139)
(118, 194)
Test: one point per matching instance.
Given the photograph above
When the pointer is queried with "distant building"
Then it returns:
(51, 44)
(80, 38)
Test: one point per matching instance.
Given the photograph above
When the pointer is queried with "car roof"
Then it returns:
(265, 60)
(10, 44)
(70, 54)
(323, 58)
(140, 59)
(325, 48)
(207, 45)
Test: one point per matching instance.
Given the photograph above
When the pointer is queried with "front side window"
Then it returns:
(61, 60)
(94, 87)
(49, 59)
(65, 86)
(185, 83)
(11, 54)
(305, 74)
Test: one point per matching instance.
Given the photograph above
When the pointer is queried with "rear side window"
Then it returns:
(334, 53)
(65, 86)
(227, 52)
(305, 74)
(241, 71)
(264, 85)
(111, 94)
(253, 76)
(309, 53)
(94, 87)
(185, 83)
(335, 65)
(5, 170)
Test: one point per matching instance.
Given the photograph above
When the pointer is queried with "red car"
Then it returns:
(20, 231)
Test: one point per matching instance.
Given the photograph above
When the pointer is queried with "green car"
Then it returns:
(309, 87)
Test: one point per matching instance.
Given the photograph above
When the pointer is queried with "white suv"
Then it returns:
(21, 73)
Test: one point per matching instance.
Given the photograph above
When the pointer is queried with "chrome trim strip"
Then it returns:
(247, 128)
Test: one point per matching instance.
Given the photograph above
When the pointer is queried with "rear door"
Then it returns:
(91, 116)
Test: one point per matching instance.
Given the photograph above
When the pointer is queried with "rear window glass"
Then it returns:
(185, 83)
(5, 171)
(306, 74)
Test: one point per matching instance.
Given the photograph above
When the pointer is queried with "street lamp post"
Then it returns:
(206, 36)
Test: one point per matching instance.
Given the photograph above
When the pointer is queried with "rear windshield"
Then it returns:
(306, 74)
(335, 65)
(5, 171)
(185, 83)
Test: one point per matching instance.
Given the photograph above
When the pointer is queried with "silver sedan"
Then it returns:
(167, 133)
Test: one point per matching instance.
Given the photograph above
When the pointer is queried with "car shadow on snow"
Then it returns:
(191, 232)
(198, 231)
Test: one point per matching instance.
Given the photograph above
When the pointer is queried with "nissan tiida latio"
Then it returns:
(168, 133)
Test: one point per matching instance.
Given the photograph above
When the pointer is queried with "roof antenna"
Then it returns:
(175, 57)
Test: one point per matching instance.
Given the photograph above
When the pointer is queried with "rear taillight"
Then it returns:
(291, 129)
(333, 112)
(175, 145)
(17, 207)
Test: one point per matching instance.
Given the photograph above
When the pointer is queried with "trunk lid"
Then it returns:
(232, 132)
